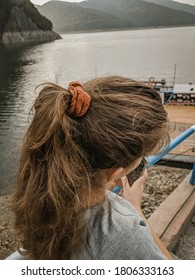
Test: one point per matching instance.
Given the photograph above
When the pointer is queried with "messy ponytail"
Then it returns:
(53, 181)
(62, 154)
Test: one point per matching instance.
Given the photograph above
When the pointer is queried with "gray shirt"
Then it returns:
(117, 232)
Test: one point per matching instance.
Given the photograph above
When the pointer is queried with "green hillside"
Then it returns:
(112, 14)
(4, 15)
(142, 13)
(175, 5)
(68, 17)
(21, 15)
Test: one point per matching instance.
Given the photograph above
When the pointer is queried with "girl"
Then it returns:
(82, 142)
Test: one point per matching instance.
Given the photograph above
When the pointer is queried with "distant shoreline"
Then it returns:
(123, 29)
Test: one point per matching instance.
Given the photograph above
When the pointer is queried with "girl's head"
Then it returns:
(64, 154)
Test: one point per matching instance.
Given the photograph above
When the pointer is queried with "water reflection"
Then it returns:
(12, 70)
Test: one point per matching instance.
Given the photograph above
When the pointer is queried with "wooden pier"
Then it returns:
(181, 118)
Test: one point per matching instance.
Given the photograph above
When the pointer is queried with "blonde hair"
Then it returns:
(61, 156)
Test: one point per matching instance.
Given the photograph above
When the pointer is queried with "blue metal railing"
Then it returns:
(175, 142)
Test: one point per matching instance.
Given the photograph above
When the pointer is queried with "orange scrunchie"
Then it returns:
(80, 101)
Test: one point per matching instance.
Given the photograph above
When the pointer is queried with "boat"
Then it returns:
(172, 93)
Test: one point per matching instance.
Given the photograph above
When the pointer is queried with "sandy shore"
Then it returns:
(161, 182)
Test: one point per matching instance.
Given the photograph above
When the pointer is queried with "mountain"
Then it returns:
(67, 17)
(112, 14)
(20, 21)
(142, 13)
(175, 5)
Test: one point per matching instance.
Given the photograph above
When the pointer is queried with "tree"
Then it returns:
(4, 15)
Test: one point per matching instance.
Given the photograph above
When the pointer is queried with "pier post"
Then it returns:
(192, 178)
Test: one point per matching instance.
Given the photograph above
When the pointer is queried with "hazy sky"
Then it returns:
(40, 2)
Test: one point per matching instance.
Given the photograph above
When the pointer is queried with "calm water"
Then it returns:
(139, 54)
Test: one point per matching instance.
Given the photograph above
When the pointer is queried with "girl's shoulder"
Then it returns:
(115, 215)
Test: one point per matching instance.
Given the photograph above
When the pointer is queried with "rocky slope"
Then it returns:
(21, 22)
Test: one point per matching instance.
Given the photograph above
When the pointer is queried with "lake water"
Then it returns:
(139, 54)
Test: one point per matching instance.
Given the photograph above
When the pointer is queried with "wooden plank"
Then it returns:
(186, 146)
(165, 213)
(174, 231)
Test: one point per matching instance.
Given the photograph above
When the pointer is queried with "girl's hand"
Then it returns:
(134, 193)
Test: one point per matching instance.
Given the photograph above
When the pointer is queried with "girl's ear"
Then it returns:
(113, 174)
